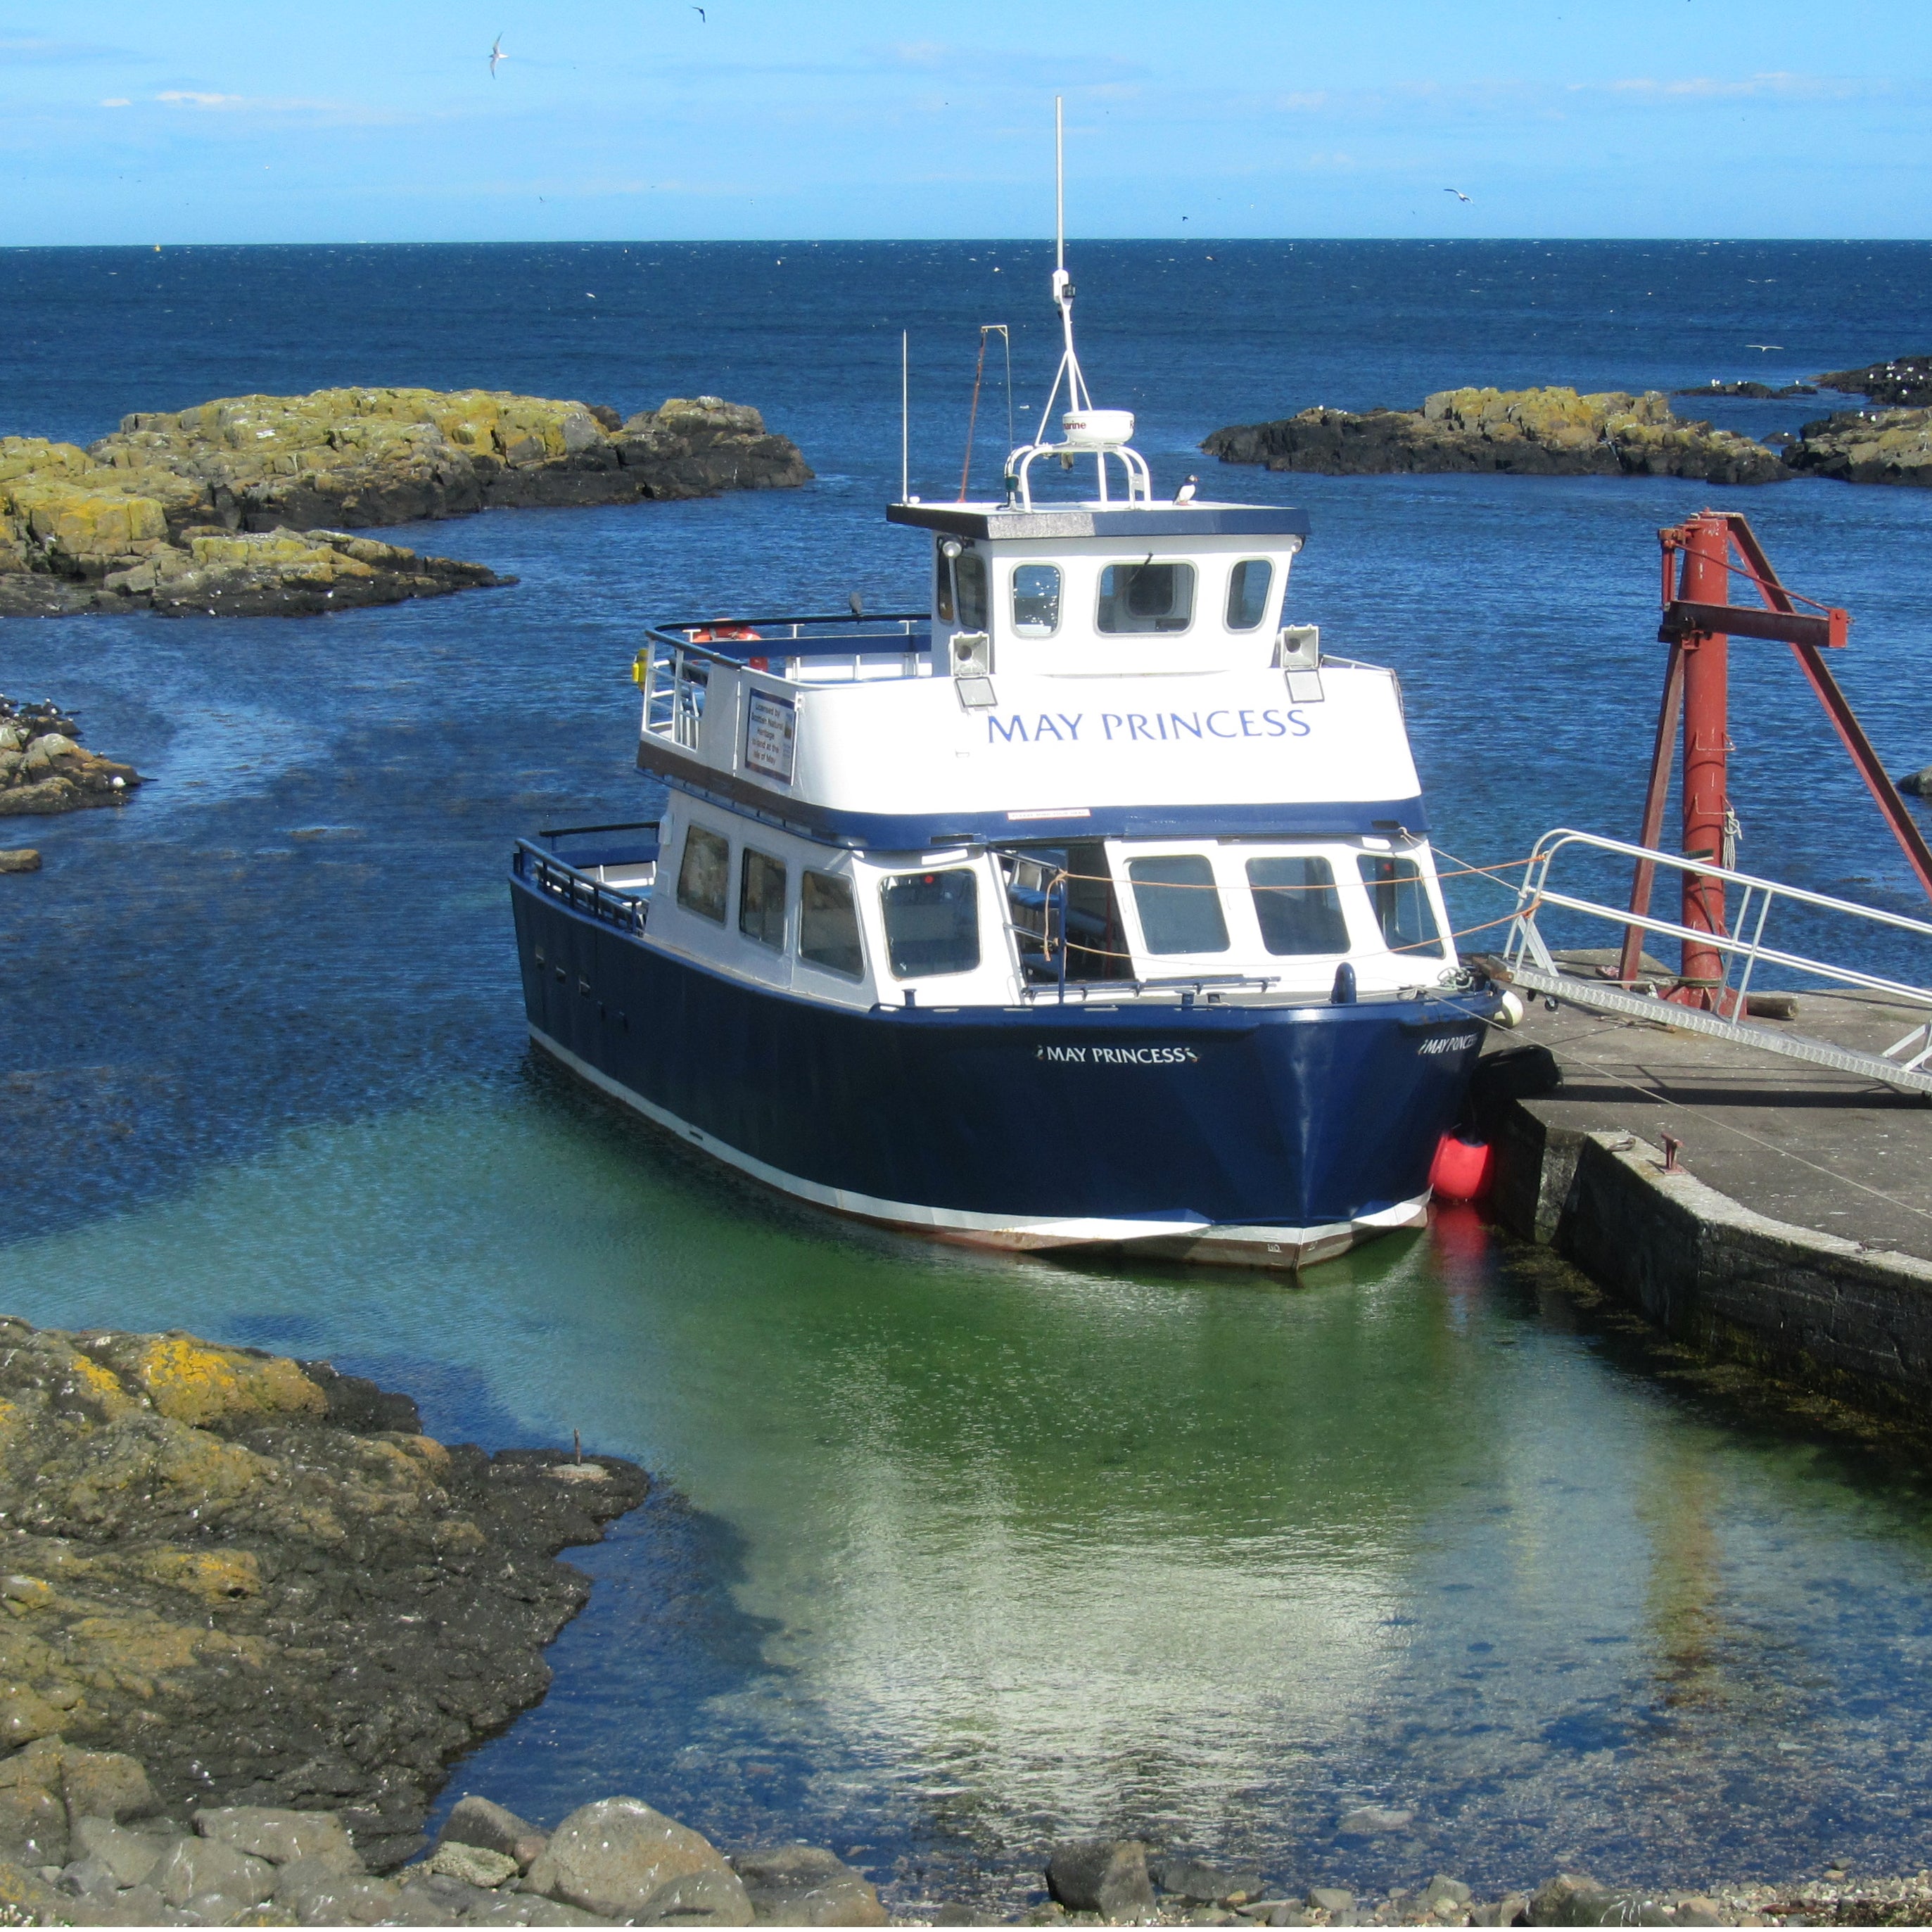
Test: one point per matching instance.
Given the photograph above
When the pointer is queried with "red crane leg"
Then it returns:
(1705, 580)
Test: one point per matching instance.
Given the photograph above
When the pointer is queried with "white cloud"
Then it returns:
(117, 101)
(177, 96)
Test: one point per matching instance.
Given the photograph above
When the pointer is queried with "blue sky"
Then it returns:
(615, 119)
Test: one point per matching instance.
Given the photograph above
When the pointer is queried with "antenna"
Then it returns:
(1059, 185)
(905, 417)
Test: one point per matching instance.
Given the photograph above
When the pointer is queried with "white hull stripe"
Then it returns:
(1004, 1230)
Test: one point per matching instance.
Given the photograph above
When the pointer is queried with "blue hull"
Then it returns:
(1006, 1123)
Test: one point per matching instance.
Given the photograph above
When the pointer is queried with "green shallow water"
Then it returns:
(954, 1553)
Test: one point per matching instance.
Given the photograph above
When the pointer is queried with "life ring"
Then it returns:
(724, 633)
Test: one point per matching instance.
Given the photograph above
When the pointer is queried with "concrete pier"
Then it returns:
(1794, 1232)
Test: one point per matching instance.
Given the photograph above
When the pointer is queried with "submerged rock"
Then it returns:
(1867, 446)
(207, 1564)
(159, 513)
(800, 1885)
(1106, 1875)
(1552, 432)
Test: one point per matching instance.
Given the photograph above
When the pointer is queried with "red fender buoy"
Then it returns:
(1462, 1169)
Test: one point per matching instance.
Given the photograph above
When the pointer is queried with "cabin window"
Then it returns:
(1146, 597)
(704, 877)
(969, 571)
(1036, 599)
(828, 925)
(1248, 585)
(1297, 905)
(1401, 901)
(942, 599)
(932, 923)
(1179, 904)
(761, 900)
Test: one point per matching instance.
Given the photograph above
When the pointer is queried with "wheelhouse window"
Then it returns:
(969, 571)
(1248, 586)
(932, 923)
(704, 874)
(761, 900)
(1036, 599)
(1143, 597)
(942, 596)
(828, 925)
(1401, 901)
(1299, 910)
(1179, 905)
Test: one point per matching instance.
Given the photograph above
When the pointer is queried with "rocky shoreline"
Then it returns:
(1555, 432)
(260, 1579)
(252, 1615)
(44, 770)
(1551, 432)
(244, 506)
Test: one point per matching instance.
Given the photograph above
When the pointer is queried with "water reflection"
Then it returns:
(957, 1553)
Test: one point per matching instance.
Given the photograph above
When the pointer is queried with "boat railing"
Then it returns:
(1741, 952)
(675, 665)
(547, 873)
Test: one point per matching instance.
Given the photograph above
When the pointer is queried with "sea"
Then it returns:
(951, 1556)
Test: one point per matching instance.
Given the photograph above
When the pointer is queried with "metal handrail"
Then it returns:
(1525, 938)
(627, 911)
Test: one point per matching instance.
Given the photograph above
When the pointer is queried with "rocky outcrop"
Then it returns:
(358, 457)
(1526, 432)
(241, 507)
(1904, 382)
(1759, 391)
(258, 1576)
(214, 572)
(1867, 446)
(43, 768)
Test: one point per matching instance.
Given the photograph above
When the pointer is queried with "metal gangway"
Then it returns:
(1906, 1063)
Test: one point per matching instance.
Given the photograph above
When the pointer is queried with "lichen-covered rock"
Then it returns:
(211, 1560)
(215, 511)
(367, 456)
(1868, 446)
(1550, 432)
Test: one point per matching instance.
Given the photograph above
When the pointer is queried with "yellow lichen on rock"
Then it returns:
(190, 1381)
(218, 1576)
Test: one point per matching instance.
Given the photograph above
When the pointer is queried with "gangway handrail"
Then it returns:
(1527, 956)
(1706, 868)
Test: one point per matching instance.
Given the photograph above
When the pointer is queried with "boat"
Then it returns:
(1091, 907)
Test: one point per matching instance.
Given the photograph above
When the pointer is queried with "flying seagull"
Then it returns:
(701, 13)
(497, 55)
(1456, 192)
(1764, 345)
(1185, 494)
